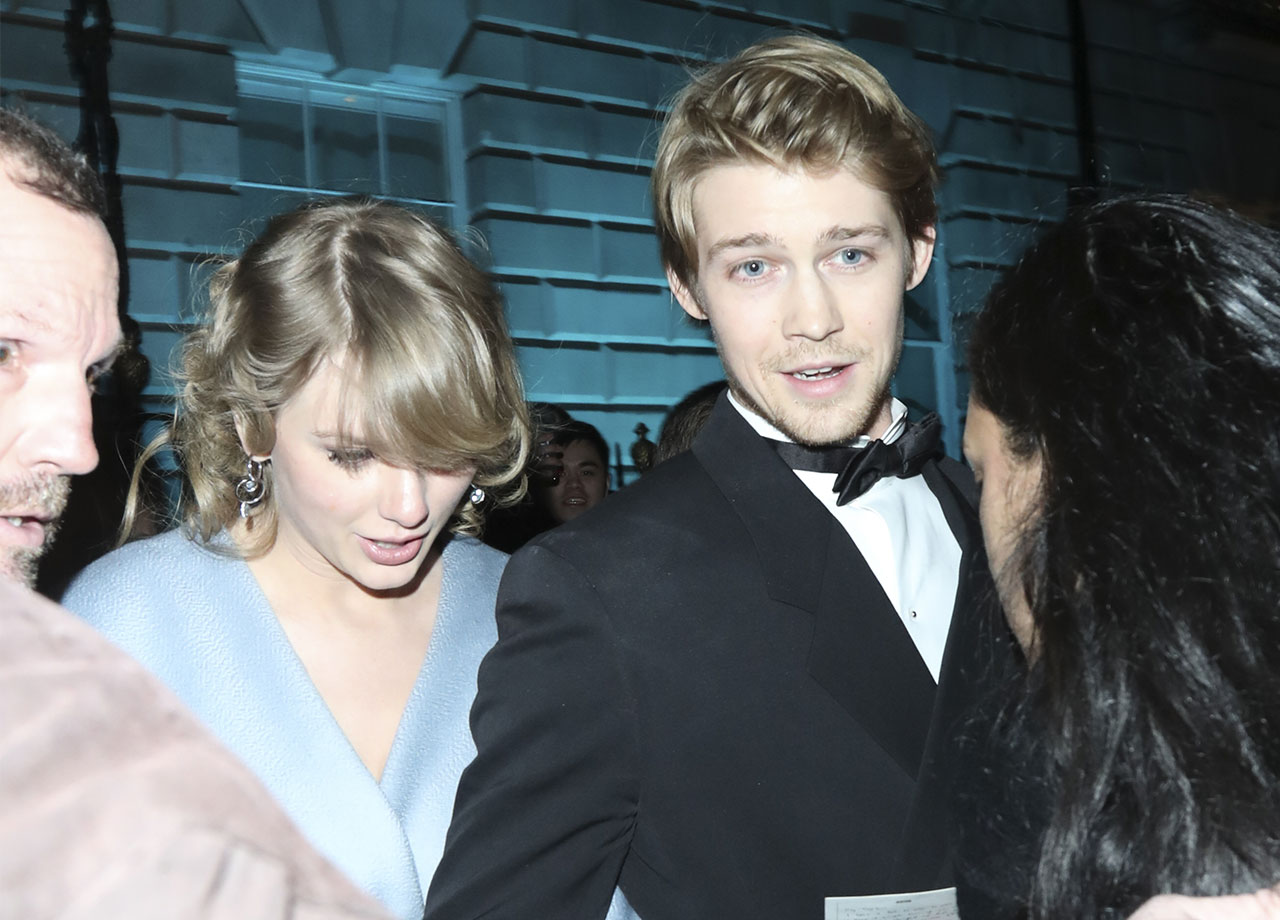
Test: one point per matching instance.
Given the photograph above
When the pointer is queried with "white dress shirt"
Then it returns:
(900, 529)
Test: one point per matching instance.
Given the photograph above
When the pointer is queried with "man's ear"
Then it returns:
(685, 297)
(921, 255)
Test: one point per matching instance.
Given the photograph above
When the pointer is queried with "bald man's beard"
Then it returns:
(45, 496)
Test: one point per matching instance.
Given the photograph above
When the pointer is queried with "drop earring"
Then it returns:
(477, 495)
(252, 488)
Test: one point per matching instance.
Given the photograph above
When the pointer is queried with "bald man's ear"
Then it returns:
(685, 297)
(921, 255)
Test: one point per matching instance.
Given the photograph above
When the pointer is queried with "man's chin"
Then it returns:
(45, 497)
(19, 565)
(815, 424)
(819, 427)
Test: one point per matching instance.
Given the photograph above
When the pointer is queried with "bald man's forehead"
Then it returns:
(59, 281)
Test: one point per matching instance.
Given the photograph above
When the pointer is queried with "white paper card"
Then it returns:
(939, 904)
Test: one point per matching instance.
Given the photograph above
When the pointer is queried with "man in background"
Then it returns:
(582, 481)
(685, 419)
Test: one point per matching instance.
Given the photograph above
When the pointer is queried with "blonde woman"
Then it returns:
(348, 411)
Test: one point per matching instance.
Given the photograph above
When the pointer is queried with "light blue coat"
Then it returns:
(199, 621)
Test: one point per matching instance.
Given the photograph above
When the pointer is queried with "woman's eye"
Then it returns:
(8, 352)
(350, 458)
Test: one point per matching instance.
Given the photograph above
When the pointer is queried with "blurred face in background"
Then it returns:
(581, 486)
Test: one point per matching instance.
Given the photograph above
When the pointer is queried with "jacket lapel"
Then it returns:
(924, 860)
(865, 659)
(785, 522)
(861, 655)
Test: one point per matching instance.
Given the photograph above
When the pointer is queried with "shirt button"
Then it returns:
(914, 614)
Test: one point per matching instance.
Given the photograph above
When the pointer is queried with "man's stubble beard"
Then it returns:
(45, 494)
(857, 417)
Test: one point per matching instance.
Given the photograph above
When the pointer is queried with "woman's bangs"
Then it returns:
(416, 410)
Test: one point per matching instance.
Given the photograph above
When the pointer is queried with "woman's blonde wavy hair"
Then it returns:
(792, 102)
(422, 337)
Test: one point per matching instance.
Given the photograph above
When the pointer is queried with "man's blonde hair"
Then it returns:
(790, 102)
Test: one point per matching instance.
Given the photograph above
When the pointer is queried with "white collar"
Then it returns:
(897, 423)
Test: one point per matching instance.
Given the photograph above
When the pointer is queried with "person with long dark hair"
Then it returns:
(1125, 425)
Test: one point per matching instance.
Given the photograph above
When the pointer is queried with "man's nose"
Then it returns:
(812, 310)
(59, 427)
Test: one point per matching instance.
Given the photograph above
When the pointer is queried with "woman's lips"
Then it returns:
(385, 552)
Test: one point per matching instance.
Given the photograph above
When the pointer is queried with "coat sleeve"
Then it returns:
(116, 802)
(544, 814)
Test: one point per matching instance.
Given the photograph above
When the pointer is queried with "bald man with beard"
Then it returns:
(114, 800)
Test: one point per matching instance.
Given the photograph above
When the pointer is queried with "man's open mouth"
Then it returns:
(818, 373)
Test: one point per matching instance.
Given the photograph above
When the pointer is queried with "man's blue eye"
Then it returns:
(851, 256)
(752, 269)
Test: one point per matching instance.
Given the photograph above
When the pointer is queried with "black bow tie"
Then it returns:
(859, 468)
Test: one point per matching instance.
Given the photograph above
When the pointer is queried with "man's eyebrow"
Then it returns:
(839, 234)
(739, 242)
(833, 234)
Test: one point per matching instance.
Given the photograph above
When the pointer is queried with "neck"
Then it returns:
(300, 585)
(880, 421)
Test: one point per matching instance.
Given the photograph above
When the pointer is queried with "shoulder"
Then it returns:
(155, 567)
(668, 521)
(670, 505)
(172, 546)
(675, 493)
(472, 571)
(477, 559)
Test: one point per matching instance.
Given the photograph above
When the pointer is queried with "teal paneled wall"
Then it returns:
(547, 143)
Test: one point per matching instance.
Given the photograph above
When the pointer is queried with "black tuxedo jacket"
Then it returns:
(700, 692)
